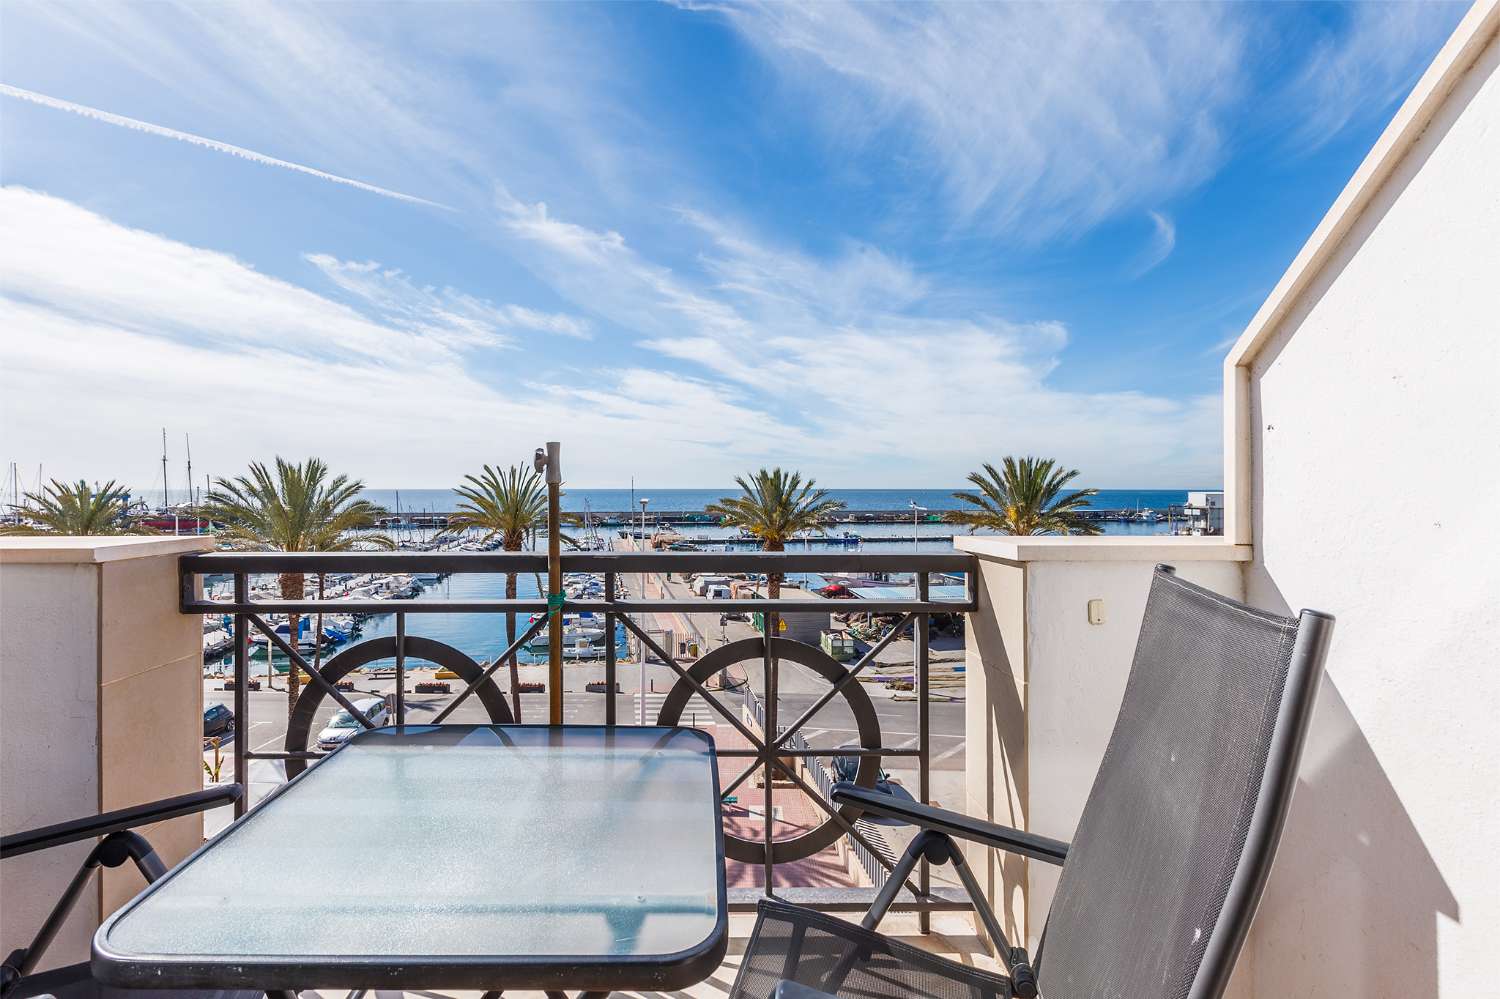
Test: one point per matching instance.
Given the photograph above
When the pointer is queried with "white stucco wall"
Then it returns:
(1375, 495)
(1077, 674)
(100, 696)
(49, 741)
(1044, 683)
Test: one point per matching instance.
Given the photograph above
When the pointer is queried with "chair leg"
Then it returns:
(927, 844)
(1022, 978)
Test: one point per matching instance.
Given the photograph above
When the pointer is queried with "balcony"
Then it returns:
(151, 600)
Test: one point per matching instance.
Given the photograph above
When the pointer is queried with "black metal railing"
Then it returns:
(768, 753)
(871, 852)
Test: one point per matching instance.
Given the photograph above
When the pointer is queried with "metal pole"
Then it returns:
(640, 707)
(609, 652)
(241, 693)
(924, 790)
(554, 584)
(768, 663)
(400, 668)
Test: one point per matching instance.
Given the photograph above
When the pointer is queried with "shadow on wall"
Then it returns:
(1360, 904)
(1005, 723)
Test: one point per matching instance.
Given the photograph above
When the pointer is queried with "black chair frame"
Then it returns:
(118, 845)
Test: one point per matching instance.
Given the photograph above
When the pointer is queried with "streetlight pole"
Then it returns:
(641, 699)
(550, 462)
(915, 543)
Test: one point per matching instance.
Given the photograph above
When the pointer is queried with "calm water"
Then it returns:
(617, 500)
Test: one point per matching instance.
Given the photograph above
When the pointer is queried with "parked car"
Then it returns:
(844, 769)
(217, 719)
(343, 726)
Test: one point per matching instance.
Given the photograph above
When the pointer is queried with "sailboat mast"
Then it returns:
(188, 441)
(164, 467)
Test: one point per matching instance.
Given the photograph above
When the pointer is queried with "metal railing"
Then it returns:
(768, 755)
(868, 853)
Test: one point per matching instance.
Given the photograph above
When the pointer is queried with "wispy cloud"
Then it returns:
(110, 118)
(1037, 118)
(863, 356)
(445, 313)
(105, 316)
(1366, 62)
(1158, 248)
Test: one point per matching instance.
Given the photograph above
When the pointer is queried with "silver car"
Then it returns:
(343, 726)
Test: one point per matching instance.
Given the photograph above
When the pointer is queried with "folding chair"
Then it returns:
(1170, 856)
(119, 844)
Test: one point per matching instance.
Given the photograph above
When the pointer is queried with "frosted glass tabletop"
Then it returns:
(466, 856)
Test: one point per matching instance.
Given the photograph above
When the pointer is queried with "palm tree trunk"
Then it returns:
(291, 589)
(773, 579)
(510, 638)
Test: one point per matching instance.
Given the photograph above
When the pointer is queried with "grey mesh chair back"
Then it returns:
(1180, 829)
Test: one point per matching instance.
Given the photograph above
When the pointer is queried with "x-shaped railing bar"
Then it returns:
(749, 734)
(848, 678)
(687, 678)
(833, 813)
(297, 662)
(493, 667)
(776, 742)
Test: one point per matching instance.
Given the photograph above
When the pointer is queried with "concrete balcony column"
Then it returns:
(1048, 653)
(101, 696)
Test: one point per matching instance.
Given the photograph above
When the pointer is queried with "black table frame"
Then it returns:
(280, 977)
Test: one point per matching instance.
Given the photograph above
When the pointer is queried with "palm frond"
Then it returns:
(295, 508)
(76, 509)
(509, 504)
(1024, 496)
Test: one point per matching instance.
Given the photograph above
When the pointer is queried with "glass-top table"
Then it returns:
(452, 856)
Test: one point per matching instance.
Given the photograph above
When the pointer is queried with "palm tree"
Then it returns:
(1025, 496)
(510, 505)
(775, 506)
(296, 508)
(75, 508)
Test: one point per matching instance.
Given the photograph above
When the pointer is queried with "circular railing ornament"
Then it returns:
(865, 721)
(299, 726)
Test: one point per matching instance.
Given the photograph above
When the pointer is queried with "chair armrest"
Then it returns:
(123, 818)
(1051, 851)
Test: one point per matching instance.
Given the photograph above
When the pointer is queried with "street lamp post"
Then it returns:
(641, 698)
(915, 543)
(548, 461)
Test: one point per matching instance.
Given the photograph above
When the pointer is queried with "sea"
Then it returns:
(482, 636)
(620, 500)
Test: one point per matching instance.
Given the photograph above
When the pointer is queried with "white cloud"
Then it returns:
(78, 263)
(1159, 247)
(445, 313)
(127, 330)
(862, 355)
(1037, 118)
(197, 140)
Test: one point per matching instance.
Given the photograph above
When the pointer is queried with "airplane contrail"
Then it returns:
(198, 140)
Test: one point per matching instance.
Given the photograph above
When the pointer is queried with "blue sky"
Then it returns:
(879, 243)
